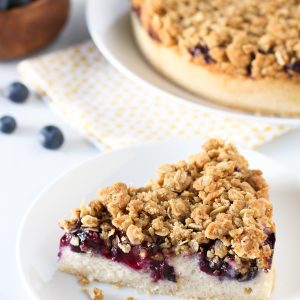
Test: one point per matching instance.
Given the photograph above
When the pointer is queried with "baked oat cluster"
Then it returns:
(212, 198)
(97, 294)
(247, 38)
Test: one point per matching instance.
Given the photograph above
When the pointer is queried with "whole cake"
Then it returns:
(203, 229)
(243, 54)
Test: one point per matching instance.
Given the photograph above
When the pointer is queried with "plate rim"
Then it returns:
(104, 50)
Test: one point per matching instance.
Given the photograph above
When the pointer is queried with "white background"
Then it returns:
(25, 167)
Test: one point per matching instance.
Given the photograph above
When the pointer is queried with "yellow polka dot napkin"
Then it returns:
(113, 111)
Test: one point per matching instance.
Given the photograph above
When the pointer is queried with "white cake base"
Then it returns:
(192, 283)
(268, 96)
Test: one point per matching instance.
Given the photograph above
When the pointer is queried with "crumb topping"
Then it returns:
(212, 197)
(83, 280)
(96, 294)
(247, 38)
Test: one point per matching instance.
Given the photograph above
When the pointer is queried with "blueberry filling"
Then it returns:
(152, 261)
(264, 52)
(153, 34)
(225, 268)
(271, 239)
(293, 67)
(202, 50)
(137, 10)
(271, 242)
(249, 69)
(249, 66)
(237, 169)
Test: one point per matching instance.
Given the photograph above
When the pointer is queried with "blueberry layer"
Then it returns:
(153, 261)
(293, 67)
(225, 268)
(202, 50)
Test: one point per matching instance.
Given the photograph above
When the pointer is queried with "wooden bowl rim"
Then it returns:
(22, 9)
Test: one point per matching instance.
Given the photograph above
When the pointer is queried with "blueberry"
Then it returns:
(17, 92)
(7, 124)
(296, 66)
(19, 2)
(4, 4)
(169, 273)
(202, 50)
(51, 137)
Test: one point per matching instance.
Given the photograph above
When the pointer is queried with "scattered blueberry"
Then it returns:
(17, 92)
(51, 137)
(7, 124)
(4, 4)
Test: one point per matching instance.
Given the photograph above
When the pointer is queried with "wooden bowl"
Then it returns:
(28, 28)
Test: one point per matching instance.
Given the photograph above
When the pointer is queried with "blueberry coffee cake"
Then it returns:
(243, 54)
(203, 229)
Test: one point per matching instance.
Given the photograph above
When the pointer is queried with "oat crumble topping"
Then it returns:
(212, 197)
(96, 294)
(83, 280)
(246, 38)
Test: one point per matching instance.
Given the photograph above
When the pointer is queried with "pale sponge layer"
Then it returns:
(191, 282)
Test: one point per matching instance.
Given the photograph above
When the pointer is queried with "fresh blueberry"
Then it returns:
(19, 2)
(17, 92)
(7, 124)
(4, 4)
(51, 137)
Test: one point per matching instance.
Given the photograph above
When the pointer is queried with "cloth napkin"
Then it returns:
(113, 111)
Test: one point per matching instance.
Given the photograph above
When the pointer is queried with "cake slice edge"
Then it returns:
(192, 283)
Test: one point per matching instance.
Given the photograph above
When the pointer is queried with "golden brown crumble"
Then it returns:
(83, 280)
(247, 38)
(212, 196)
(129, 298)
(117, 285)
(96, 294)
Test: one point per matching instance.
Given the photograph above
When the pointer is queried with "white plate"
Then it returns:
(109, 26)
(39, 235)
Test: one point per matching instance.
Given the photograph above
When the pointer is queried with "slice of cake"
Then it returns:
(202, 229)
(243, 54)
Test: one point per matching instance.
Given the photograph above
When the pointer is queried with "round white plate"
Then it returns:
(39, 235)
(109, 26)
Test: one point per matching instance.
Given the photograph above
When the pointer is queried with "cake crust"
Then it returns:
(243, 72)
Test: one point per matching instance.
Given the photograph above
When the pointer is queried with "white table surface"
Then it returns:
(25, 167)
